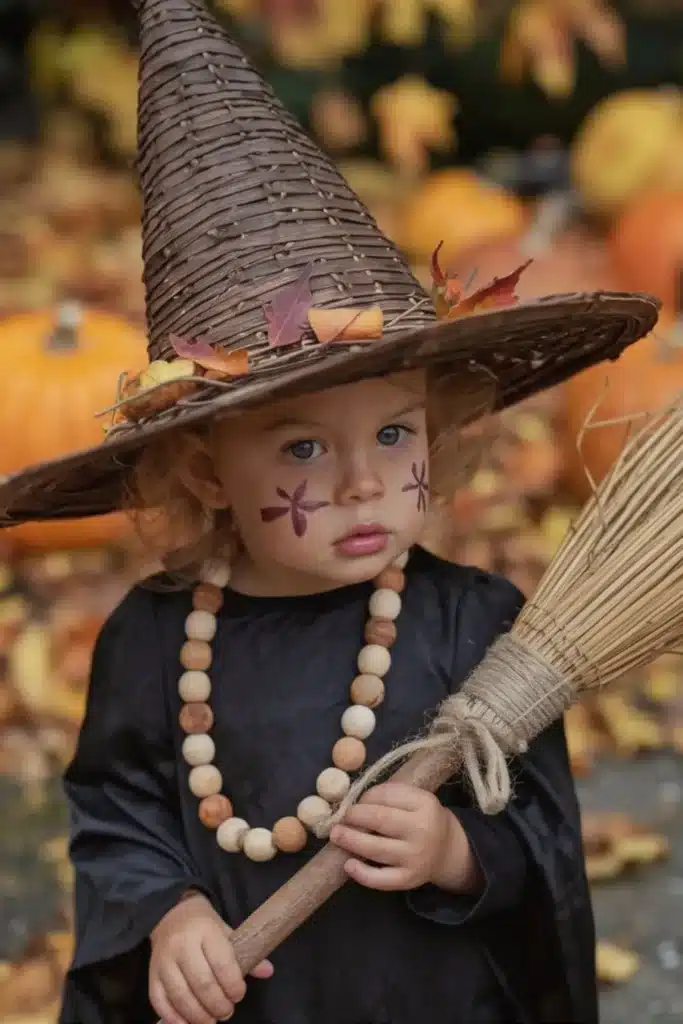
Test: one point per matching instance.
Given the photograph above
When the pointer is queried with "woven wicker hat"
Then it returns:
(243, 218)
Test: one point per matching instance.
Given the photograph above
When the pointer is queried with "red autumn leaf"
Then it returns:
(218, 361)
(500, 293)
(446, 291)
(287, 313)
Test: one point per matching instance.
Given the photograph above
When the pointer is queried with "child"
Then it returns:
(226, 718)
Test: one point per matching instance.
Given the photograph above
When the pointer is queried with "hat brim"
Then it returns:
(524, 348)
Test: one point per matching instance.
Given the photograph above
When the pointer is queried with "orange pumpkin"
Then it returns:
(58, 369)
(643, 379)
(462, 209)
(647, 245)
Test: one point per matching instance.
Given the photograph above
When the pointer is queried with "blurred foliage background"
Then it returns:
(550, 128)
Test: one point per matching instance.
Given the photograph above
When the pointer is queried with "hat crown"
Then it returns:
(238, 200)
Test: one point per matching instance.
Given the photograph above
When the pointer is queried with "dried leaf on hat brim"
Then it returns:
(287, 312)
(346, 324)
(222, 365)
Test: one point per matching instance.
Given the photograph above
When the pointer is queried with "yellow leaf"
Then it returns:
(630, 729)
(403, 22)
(30, 668)
(459, 17)
(414, 118)
(663, 685)
(346, 324)
(615, 965)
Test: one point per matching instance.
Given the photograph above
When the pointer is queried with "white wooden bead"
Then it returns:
(205, 780)
(358, 721)
(199, 748)
(215, 572)
(402, 560)
(374, 660)
(333, 785)
(312, 810)
(384, 604)
(194, 687)
(201, 625)
(230, 834)
(258, 845)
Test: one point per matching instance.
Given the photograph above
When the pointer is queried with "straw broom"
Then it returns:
(610, 602)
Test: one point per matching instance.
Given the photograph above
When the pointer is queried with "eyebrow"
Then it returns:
(292, 422)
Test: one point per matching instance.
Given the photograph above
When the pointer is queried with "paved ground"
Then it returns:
(644, 912)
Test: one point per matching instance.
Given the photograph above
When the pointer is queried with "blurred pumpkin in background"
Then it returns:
(647, 245)
(644, 378)
(460, 208)
(630, 142)
(59, 368)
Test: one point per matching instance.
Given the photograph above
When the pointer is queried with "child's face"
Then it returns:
(329, 488)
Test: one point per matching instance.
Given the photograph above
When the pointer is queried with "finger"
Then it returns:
(221, 959)
(370, 847)
(183, 1000)
(161, 1005)
(387, 821)
(264, 970)
(396, 794)
(386, 879)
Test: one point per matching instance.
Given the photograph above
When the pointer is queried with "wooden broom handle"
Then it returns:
(312, 885)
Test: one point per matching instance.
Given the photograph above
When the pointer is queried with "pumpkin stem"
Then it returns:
(64, 337)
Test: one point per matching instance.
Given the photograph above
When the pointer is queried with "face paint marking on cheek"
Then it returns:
(420, 484)
(297, 507)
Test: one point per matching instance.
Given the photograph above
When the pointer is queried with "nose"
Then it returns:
(361, 482)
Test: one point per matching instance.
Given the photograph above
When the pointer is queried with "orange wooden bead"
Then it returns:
(207, 598)
(380, 631)
(195, 655)
(368, 690)
(214, 810)
(348, 754)
(392, 578)
(196, 718)
(289, 835)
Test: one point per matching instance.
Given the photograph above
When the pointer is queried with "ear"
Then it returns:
(197, 472)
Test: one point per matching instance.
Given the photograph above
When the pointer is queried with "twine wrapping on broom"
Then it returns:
(507, 702)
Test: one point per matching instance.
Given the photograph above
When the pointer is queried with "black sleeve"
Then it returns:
(487, 608)
(130, 861)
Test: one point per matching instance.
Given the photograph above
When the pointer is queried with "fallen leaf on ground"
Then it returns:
(613, 842)
(583, 740)
(630, 729)
(28, 987)
(615, 965)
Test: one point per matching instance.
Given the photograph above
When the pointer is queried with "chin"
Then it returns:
(363, 567)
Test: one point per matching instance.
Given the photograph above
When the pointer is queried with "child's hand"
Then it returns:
(417, 840)
(193, 975)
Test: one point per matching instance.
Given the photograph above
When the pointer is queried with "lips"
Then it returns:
(364, 530)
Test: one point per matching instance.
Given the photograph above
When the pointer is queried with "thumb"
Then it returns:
(263, 970)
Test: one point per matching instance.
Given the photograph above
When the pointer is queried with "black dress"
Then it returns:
(523, 951)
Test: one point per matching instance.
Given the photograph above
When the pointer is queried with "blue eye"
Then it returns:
(304, 451)
(392, 435)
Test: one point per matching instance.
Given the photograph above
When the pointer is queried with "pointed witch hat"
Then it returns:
(252, 244)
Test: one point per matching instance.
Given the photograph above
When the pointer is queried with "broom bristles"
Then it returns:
(613, 593)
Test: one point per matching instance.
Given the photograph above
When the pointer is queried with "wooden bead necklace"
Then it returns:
(288, 835)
